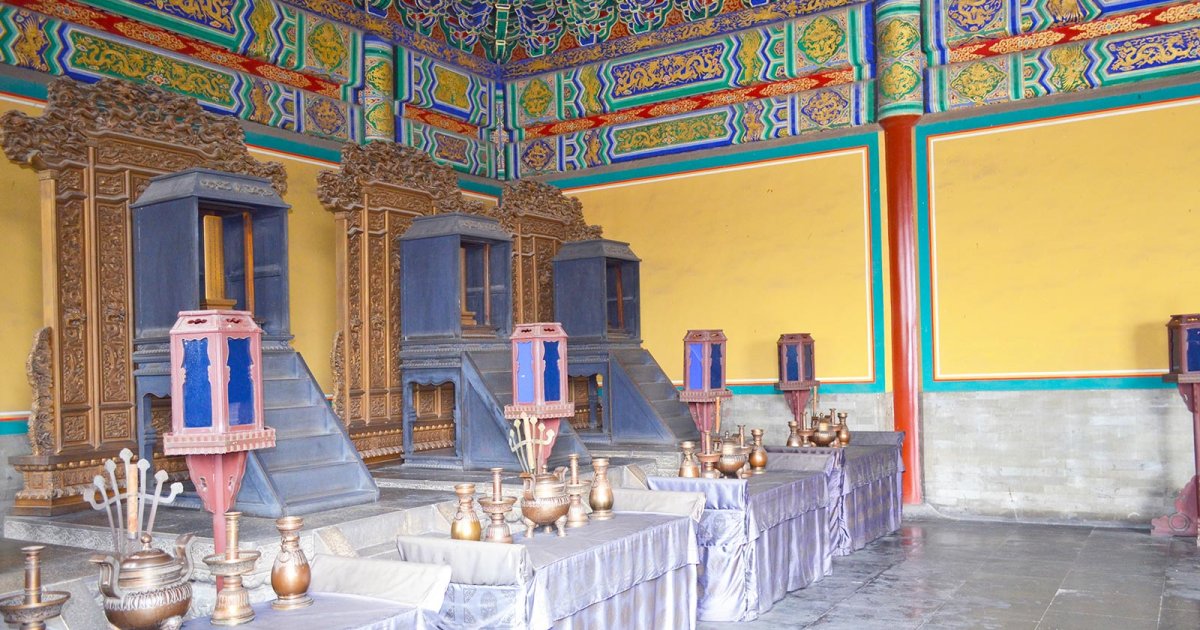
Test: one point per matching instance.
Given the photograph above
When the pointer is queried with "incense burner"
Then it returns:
(545, 502)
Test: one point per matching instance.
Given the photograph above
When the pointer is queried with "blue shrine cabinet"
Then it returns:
(456, 288)
(206, 240)
(629, 399)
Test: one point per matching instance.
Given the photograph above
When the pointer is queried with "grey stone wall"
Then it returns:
(1087, 455)
(868, 412)
(10, 479)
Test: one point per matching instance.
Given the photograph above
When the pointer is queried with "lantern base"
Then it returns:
(704, 395)
(1182, 522)
(176, 443)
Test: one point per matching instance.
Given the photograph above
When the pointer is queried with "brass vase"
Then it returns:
(497, 508)
(601, 496)
(843, 430)
(825, 435)
(32, 608)
(290, 574)
(793, 438)
(466, 523)
(577, 515)
(147, 589)
(758, 454)
(688, 466)
(544, 502)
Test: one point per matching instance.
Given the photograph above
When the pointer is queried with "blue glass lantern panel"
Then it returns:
(809, 370)
(525, 372)
(715, 379)
(695, 375)
(197, 391)
(241, 383)
(1193, 349)
(791, 364)
(551, 378)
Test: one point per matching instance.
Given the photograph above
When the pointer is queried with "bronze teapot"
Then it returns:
(545, 502)
(147, 589)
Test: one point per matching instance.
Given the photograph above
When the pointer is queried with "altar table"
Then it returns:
(864, 485)
(330, 611)
(759, 539)
(637, 570)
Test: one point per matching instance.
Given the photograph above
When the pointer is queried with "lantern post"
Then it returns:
(1183, 346)
(704, 377)
(216, 404)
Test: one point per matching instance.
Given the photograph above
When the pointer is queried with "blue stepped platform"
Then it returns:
(314, 465)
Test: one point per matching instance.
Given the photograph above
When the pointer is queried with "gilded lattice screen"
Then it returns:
(94, 149)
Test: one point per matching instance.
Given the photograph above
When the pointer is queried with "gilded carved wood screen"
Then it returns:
(94, 148)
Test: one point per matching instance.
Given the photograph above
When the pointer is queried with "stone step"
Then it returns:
(307, 450)
(290, 391)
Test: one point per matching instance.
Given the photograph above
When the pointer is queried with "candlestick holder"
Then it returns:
(233, 600)
(290, 574)
(497, 509)
(32, 608)
(577, 515)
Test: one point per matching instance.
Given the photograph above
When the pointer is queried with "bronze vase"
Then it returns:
(466, 523)
(601, 496)
(843, 430)
(793, 438)
(758, 455)
(291, 574)
(688, 466)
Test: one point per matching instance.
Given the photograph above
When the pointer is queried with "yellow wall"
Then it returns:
(1063, 246)
(21, 291)
(756, 250)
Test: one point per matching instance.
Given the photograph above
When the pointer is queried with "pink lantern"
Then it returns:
(539, 378)
(704, 377)
(797, 375)
(216, 404)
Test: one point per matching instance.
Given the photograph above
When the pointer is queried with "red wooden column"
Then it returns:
(899, 150)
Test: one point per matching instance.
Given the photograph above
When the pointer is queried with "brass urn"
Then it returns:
(545, 502)
(147, 589)
(688, 466)
(825, 434)
(733, 459)
(466, 522)
(290, 574)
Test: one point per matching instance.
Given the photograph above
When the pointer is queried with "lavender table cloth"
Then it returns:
(331, 611)
(637, 570)
(759, 539)
(864, 484)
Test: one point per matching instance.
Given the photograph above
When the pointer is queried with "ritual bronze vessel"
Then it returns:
(577, 515)
(758, 454)
(147, 589)
(32, 608)
(466, 523)
(233, 600)
(732, 460)
(545, 502)
(290, 574)
(825, 435)
(843, 430)
(601, 496)
(793, 438)
(688, 466)
(497, 508)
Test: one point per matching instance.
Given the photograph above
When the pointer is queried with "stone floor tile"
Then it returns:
(1111, 604)
(1025, 568)
(1179, 619)
(1107, 582)
(1058, 620)
(852, 617)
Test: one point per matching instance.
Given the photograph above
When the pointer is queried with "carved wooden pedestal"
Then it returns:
(1187, 505)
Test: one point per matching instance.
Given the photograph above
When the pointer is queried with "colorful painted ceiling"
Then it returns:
(510, 89)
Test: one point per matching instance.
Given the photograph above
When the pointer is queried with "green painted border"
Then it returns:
(293, 143)
(1058, 110)
(14, 426)
(870, 140)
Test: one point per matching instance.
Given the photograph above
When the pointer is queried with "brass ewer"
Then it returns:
(601, 496)
(497, 508)
(758, 454)
(466, 523)
(32, 608)
(577, 515)
(233, 600)
(290, 574)
(688, 466)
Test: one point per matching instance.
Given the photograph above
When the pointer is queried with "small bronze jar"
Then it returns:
(793, 438)
(466, 522)
(290, 574)
(688, 466)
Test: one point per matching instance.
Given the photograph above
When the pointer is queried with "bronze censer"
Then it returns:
(32, 608)
(544, 499)
(144, 588)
